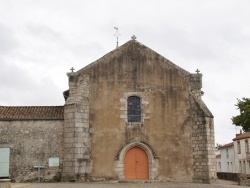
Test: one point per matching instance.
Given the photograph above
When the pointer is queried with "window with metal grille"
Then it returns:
(134, 109)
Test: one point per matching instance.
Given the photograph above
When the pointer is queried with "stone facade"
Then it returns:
(175, 128)
(32, 143)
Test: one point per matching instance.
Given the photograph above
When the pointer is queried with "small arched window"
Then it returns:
(134, 109)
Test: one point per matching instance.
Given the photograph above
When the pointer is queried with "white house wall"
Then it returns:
(242, 165)
(227, 160)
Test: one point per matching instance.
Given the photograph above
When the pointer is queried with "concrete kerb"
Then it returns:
(5, 183)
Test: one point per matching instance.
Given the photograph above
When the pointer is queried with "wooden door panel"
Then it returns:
(136, 164)
(141, 164)
(130, 165)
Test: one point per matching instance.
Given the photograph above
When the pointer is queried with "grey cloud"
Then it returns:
(20, 88)
(44, 32)
(7, 40)
(13, 76)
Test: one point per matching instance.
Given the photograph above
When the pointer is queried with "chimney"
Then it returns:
(239, 133)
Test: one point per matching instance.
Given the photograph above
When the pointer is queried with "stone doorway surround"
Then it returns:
(152, 159)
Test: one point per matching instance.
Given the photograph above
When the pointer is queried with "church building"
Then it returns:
(130, 115)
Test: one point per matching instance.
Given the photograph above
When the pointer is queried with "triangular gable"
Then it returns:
(126, 45)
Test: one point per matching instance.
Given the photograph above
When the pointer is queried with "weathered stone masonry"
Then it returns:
(130, 65)
(32, 143)
(76, 162)
(203, 135)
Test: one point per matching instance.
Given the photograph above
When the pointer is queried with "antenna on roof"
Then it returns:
(117, 35)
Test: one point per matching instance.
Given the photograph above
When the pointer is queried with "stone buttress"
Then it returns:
(76, 162)
(204, 163)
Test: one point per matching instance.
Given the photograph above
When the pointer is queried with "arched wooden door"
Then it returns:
(136, 164)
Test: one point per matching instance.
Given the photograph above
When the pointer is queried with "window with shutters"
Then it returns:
(134, 109)
(246, 146)
(238, 147)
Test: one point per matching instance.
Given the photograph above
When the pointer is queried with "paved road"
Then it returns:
(221, 184)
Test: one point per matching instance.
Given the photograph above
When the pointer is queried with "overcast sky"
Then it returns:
(40, 40)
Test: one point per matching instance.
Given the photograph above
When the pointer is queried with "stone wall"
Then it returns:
(77, 163)
(228, 176)
(32, 143)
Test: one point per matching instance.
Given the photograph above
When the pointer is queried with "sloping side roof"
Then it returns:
(126, 46)
(202, 106)
(242, 136)
(229, 145)
(13, 113)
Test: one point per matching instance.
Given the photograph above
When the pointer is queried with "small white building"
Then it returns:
(225, 160)
(241, 152)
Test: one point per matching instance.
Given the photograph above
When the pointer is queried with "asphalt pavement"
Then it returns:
(221, 184)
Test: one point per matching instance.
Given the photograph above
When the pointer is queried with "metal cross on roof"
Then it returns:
(197, 71)
(133, 37)
(72, 69)
(117, 35)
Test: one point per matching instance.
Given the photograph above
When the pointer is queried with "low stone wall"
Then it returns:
(244, 180)
(228, 176)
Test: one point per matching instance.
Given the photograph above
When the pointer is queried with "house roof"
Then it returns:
(12, 113)
(242, 136)
(229, 145)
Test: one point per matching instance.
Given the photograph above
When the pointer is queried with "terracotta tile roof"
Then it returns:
(229, 145)
(31, 113)
(242, 136)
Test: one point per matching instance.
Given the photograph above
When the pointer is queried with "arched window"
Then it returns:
(134, 109)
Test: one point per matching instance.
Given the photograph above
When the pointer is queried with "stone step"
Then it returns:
(139, 181)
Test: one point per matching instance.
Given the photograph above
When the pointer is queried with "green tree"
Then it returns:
(244, 118)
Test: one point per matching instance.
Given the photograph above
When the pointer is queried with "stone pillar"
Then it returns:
(196, 84)
(204, 161)
(76, 163)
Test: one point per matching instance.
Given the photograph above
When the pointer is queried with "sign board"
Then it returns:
(54, 162)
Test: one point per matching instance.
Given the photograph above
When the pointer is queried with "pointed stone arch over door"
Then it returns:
(136, 164)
